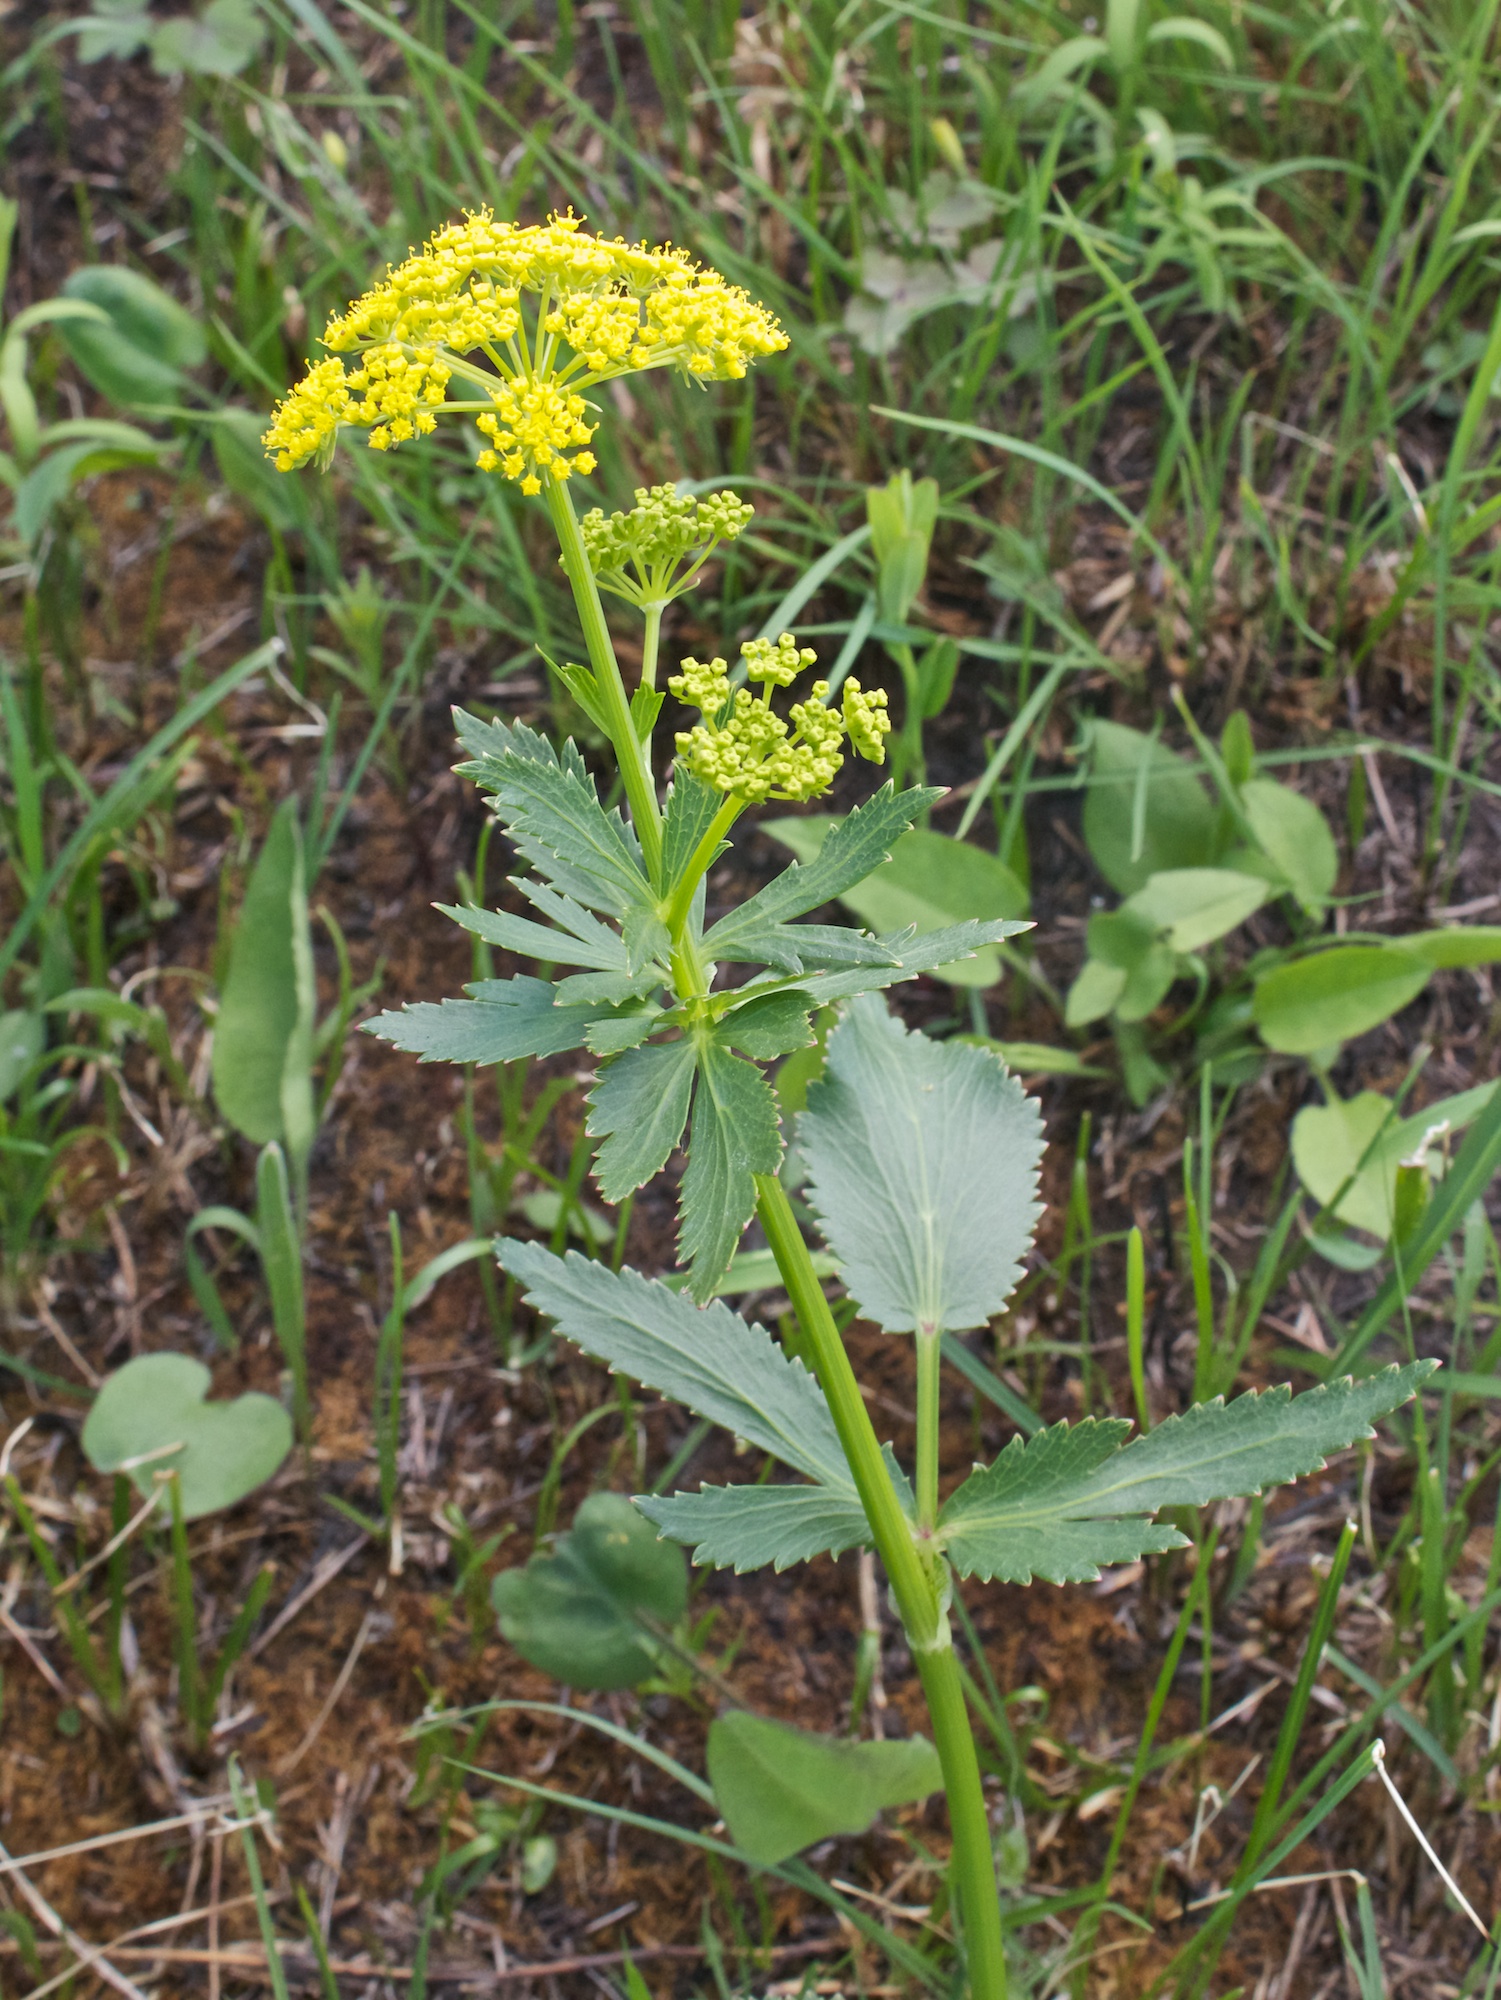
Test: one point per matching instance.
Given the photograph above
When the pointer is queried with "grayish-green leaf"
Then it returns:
(520, 934)
(686, 818)
(771, 1026)
(857, 844)
(929, 882)
(552, 812)
(746, 1527)
(938, 952)
(639, 1107)
(222, 1450)
(504, 1019)
(922, 1159)
(705, 1357)
(263, 1034)
(736, 1135)
(1317, 1002)
(1145, 810)
(584, 1613)
(1068, 1501)
(781, 1789)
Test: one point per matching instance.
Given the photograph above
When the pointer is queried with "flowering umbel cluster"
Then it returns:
(452, 314)
(745, 749)
(641, 556)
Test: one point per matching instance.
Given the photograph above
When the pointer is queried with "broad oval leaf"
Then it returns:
(150, 344)
(923, 1159)
(1458, 944)
(1146, 810)
(1294, 836)
(224, 1450)
(782, 1789)
(1192, 907)
(584, 1613)
(930, 881)
(1362, 1140)
(1317, 1002)
(263, 1035)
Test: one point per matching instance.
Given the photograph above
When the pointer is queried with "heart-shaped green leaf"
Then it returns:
(224, 1450)
(781, 1789)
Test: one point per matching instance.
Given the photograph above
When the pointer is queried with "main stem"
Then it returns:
(917, 1586)
(635, 766)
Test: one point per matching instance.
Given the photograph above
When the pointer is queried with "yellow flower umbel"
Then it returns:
(746, 750)
(453, 317)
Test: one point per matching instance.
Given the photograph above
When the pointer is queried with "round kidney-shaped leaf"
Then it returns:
(224, 1450)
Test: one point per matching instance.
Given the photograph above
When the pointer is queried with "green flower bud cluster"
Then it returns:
(745, 749)
(640, 555)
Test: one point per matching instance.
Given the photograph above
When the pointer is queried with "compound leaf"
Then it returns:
(552, 812)
(639, 1107)
(503, 1019)
(857, 844)
(922, 1159)
(736, 1135)
(773, 1025)
(605, 953)
(912, 954)
(705, 1357)
(746, 1527)
(689, 813)
(1066, 1502)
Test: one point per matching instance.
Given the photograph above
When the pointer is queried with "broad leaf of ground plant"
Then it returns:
(263, 1035)
(156, 1404)
(1067, 1502)
(922, 1159)
(781, 1789)
(584, 1612)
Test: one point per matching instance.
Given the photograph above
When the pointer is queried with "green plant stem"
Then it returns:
(682, 897)
(650, 641)
(929, 1355)
(917, 1585)
(635, 768)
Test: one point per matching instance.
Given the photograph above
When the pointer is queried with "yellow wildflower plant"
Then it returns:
(746, 750)
(453, 317)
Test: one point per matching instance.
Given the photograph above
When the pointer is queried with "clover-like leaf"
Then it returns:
(154, 1409)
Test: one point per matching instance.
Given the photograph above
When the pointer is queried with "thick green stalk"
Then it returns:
(635, 767)
(929, 1354)
(917, 1585)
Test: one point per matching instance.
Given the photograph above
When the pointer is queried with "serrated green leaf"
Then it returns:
(1069, 1501)
(705, 1357)
(746, 1527)
(606, 989)
(771, 1026)
(627, 1029)
(928, 881)
(639, 1107)
(922, 1159)
(509, 933)
(781, 1789)
(501, 1021)
(1145, 810)
(686, 818)
(1316, 1002)
(937, 952)
(552, 812)
(1217, 1450)
(860, 842)
(736, 1135)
